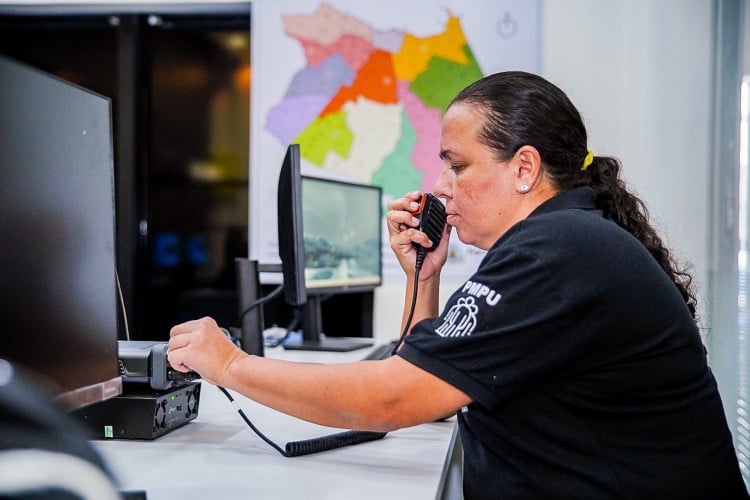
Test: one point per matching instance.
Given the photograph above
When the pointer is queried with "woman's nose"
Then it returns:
(442, 184)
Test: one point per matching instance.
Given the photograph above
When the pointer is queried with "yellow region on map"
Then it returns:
(416, 53)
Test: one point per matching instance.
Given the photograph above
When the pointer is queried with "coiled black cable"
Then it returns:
(330, 442)
(309, 446)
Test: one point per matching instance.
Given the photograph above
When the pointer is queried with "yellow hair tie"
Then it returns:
(588, 160)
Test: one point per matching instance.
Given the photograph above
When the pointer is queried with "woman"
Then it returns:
(571, 356)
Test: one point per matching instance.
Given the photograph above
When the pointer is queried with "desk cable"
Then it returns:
(309, 446)
(252, 305)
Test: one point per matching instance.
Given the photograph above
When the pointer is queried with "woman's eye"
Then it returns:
(457, 167)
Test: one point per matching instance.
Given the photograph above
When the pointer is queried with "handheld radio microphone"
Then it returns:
(432, 219)
(431, 215)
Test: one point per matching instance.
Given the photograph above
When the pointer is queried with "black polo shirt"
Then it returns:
(587, 372)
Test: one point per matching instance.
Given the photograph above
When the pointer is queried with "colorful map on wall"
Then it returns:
(368, 102)
(362, 86)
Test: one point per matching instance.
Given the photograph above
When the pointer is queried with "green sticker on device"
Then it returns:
(108, 433)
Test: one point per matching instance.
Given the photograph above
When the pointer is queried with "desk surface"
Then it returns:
(218, 456)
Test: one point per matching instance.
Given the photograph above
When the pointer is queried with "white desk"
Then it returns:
(218, 456)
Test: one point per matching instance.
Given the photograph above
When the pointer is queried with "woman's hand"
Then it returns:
(200, 345)
(403, 232)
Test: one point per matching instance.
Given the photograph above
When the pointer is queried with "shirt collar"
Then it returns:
(580, 197)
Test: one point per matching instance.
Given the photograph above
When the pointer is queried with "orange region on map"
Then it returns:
(355, 51)
(325, 26)
(416, 53)
(324, 134)
(375, 81)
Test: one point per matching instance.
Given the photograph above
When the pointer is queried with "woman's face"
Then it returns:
(481, 193)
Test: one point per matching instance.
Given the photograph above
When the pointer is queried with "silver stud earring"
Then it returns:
(524, 188)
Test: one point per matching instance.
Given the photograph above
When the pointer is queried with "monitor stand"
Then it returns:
(251, 316)
(312, 337)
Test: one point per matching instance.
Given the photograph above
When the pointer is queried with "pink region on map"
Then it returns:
(292, 115)
(426, 123)
(314, 52)
(389, 41)
(325, 26)
(355, 51)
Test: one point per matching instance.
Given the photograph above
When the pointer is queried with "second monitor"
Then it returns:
(340, 251)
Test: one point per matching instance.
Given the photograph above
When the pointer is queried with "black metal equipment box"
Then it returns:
(142, 413)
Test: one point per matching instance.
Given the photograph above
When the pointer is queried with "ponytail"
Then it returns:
(630, 212)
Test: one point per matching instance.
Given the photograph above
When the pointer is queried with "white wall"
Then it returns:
(640, 72)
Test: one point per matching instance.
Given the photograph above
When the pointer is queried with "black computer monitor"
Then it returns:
(334, 229)
(58, 303)
(289, 210)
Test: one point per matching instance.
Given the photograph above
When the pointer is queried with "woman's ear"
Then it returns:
(529, 166)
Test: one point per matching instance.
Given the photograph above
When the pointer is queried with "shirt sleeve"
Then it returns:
(503, 329)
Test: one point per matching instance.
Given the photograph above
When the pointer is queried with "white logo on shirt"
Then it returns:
(461, 319)
(479, 290)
